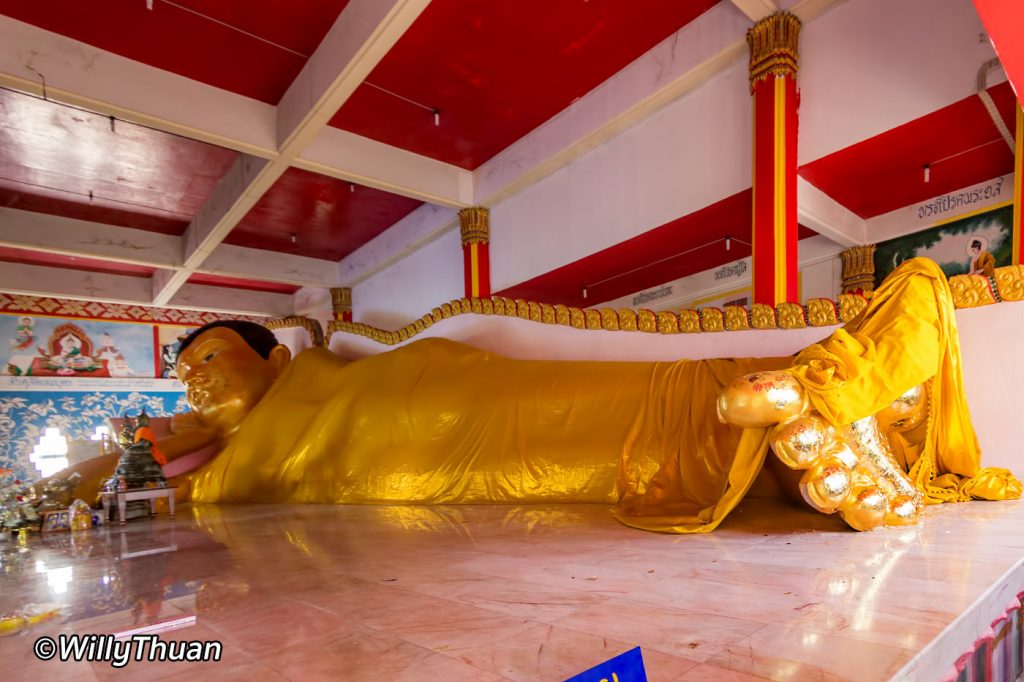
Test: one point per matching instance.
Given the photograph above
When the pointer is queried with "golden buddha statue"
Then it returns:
(674, 446)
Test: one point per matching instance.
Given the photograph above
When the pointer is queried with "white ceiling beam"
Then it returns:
(358, 40)
(756, 9)
(40, 280)
(46, 233)
(229, 260)
(347, 156)
(81, 238)
(55, 67)
(360, 37)
(680, 64)
(81, 75)
(235, 194)
(231, 301)
(408, 235)
(828, 217)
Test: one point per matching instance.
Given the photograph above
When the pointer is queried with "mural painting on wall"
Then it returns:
(167, 342)
(24, 416)
(976, 244)
(54, 346)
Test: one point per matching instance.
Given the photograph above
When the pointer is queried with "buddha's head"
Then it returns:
(227, 367)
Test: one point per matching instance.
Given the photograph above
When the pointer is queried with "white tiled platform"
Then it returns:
(523, 593)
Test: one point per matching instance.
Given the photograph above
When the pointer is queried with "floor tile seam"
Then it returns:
(963, 616)
(368, 630)
(455, 658)
(236, 643)
(451, 654)
(411, 590)
(682, 677)
(579, 629)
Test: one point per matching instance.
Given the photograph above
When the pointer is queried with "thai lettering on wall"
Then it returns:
(962, 201)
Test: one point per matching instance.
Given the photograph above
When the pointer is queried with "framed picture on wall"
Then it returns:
(973, 244)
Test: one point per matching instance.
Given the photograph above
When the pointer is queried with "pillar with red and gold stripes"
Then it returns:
(475, 230)
(1018, 180)
(773, 68)
(341, 303)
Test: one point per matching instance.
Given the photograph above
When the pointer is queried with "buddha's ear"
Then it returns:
(279, 358)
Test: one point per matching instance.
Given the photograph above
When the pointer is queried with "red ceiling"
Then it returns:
(238, 283)
(24, 256)
(685, 246)
(497, 70)
(884, 173)
(329, 218)
(175, 39)
(64, 161)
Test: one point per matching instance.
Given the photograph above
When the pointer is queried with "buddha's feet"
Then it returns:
(849, 469)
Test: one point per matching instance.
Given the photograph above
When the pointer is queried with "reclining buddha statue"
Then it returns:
(873, 416)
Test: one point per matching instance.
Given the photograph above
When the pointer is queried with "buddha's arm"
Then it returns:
(99, 469)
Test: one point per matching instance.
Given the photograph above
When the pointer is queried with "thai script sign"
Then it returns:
(652, 295)
(88, 385)
(961, 199)
(734, 270)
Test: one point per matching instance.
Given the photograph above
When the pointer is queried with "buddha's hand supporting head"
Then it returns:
(848, 469)
(227, 368)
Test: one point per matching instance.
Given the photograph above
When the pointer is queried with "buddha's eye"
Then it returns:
(210, 356)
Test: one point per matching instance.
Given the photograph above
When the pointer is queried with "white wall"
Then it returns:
(866, 67)
(686, 156)
(413, 286)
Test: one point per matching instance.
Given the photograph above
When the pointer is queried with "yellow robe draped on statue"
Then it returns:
(439, 422)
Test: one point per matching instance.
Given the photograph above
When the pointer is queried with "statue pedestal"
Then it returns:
(122, 497)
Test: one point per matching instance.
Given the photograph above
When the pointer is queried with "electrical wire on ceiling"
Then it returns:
(728, 245)
(92, 196)
(149, 4)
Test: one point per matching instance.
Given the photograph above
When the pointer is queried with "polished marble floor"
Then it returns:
(520, 593)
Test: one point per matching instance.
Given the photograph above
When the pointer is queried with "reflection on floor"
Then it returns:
(522, 593)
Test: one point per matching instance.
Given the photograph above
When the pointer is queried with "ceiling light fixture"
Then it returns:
(294, 239)
(927, 172)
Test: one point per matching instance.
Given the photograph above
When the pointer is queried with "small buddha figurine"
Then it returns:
(137, 468)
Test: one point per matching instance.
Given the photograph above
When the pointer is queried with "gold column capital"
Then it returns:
(773, 46)
(859, 269)
(341, 299)
(474, 225)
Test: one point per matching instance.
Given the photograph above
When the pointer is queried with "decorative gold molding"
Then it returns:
(474, 225)
(773, 47)
(859, 269)
(969, 291)
(312, 327)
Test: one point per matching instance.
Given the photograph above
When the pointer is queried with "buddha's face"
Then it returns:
(224, 377)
